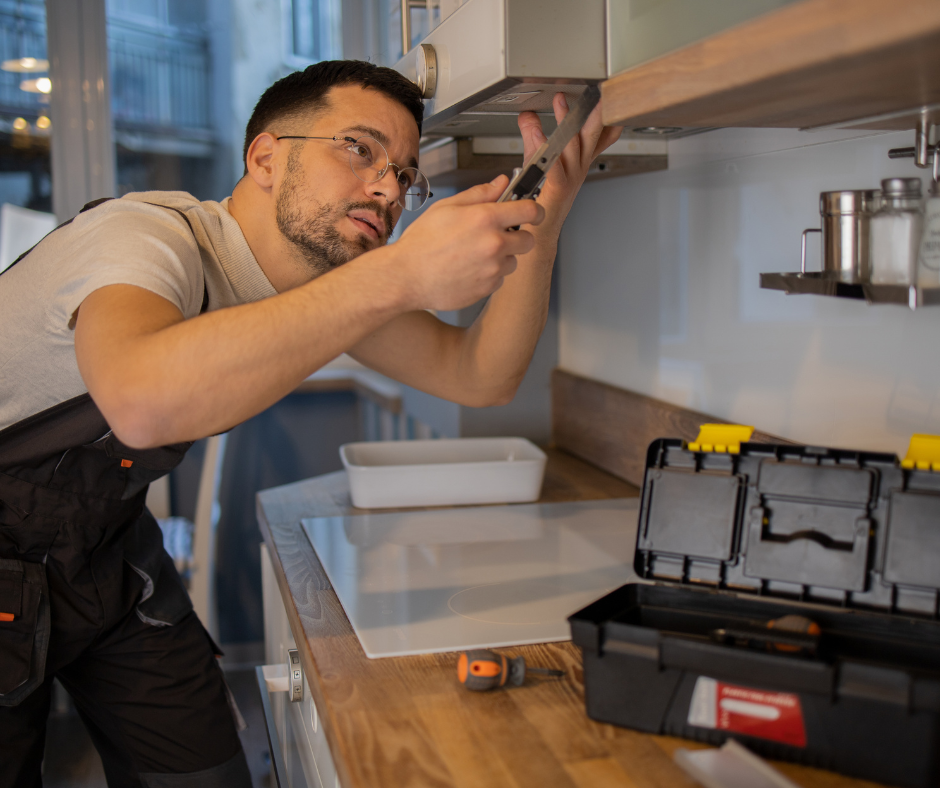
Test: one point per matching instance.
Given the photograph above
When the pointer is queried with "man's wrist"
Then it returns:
(385, 268)
(547, 233)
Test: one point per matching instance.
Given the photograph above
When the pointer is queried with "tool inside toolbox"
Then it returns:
(696, 615)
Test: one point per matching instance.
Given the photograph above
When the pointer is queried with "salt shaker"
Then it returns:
(896, 231)
(928, 261)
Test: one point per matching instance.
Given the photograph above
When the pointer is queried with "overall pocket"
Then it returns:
(24, 628)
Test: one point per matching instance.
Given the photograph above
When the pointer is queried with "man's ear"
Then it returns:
(260, 160)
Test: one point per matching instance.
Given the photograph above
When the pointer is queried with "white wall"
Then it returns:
(660, 292)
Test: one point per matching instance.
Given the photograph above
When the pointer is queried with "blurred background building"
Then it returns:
(184, 77)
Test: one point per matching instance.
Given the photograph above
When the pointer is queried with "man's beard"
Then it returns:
(320, 245)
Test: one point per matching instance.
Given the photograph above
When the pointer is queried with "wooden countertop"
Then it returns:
(405, 721)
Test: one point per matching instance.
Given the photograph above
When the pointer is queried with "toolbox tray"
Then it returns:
(732, 540)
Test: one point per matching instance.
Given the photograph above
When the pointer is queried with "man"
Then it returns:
(154, 320)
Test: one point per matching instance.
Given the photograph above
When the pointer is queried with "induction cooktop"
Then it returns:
(475, 577)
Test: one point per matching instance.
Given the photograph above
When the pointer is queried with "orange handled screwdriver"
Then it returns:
(790, 633)
(799, 625)
(482, 669)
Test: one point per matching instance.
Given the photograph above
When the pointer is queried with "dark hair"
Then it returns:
(305, 92)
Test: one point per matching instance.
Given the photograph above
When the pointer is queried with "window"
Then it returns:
(25, 127)
(161, 85)
(314, 31)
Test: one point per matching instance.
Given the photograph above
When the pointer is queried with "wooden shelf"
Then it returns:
(810, 64)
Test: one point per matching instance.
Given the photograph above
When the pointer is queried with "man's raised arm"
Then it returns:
(484, 364)
(160, 379)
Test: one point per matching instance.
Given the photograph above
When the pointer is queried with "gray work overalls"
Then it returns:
(89, 595)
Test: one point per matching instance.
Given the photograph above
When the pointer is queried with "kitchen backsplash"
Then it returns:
(659, 292)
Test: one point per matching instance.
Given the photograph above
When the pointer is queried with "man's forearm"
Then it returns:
(499, 345)
(173, 380)
(160, 379)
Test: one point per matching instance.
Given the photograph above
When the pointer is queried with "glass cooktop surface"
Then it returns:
(474, 577)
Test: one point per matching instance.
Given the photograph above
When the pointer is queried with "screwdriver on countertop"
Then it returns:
(482, 669)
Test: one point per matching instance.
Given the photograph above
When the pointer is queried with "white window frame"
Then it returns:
(83, 157)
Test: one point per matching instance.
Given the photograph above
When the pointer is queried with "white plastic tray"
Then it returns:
(389, 474)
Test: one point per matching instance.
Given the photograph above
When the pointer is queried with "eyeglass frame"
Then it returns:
(388, 159)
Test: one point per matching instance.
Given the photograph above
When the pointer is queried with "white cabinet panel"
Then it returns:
(303, 741)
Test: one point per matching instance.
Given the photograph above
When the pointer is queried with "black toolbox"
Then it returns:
(737, 536)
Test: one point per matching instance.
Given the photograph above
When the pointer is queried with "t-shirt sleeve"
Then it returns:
(132, 243)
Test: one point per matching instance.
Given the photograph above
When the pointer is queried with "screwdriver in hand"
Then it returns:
(482, 669)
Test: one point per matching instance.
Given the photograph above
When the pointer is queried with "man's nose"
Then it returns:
(387, 186)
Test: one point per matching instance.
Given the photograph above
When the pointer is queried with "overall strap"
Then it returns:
(86, 207)
(94, 204)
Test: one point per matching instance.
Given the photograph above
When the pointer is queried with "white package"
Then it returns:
(732, 766)
(448, 472)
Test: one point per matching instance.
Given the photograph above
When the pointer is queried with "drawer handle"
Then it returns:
(287, 677)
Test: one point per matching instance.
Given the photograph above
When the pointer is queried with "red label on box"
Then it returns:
(752, 712)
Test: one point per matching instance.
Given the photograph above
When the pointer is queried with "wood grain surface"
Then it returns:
(807, 64)
(612, 427)
(406, 721)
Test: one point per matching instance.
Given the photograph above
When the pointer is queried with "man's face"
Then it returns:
(327, 213)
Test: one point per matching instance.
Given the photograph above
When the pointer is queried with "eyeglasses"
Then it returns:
(369, 162)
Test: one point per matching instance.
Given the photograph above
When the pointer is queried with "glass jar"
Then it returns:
(896, 231)
(928, 262)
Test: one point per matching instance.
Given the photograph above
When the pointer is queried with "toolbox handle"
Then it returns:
(747, 666)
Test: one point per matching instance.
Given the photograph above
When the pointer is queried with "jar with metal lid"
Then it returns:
(896, 231)
(928, 261)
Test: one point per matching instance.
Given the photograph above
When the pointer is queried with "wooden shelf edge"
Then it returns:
(812, 63)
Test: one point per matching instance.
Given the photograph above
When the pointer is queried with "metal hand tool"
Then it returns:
(526, 182)
(482, 669)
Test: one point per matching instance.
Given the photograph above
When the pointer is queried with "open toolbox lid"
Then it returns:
(849, 528)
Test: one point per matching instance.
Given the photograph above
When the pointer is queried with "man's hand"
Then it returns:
(565, 178)
(460, 250)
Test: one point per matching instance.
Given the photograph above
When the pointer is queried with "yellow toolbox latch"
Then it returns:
(721, 438)
(923, 453)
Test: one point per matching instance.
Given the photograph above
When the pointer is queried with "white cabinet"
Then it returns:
(307, 757)
(640, 31)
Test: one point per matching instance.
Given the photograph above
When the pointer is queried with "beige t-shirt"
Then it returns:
(125, 241)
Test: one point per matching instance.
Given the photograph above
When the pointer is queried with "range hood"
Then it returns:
(489, 60)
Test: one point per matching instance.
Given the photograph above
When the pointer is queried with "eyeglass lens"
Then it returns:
(368, 160)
